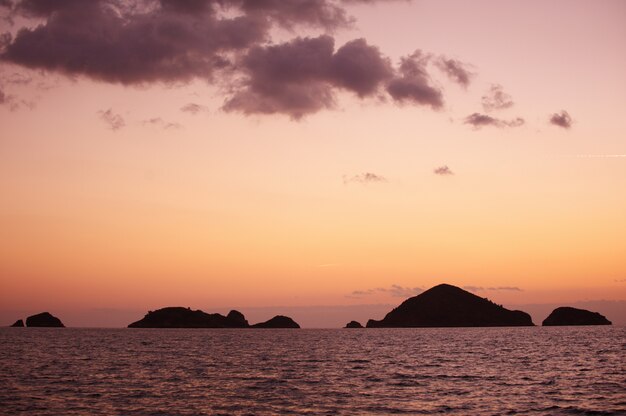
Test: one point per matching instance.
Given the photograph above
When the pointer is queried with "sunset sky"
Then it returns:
(308, 153)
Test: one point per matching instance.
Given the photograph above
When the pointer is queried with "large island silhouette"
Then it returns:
(179, 317)
(450, 306)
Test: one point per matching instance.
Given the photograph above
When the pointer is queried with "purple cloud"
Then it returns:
(480, 120)
(227, 43)
(562, 119)
(496, 99)
(413, 83)
(455, 70)
(394, 290)
(364, 178)
(193, 108)
(443, 171)
(159, 122)
(113, 120)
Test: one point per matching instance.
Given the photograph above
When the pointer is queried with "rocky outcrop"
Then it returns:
(450, 306)
(279, 321)
(179, 317)
(44, 319)
(571, 316)
(353, 324)
(18, 324)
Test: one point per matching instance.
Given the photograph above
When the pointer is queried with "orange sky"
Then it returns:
(260, 210)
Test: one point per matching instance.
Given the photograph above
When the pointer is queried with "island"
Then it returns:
(18, 324)
(44, 320)
(566, 315)
(450, 306)
(278, 321)
(180, 317)
(353, 325)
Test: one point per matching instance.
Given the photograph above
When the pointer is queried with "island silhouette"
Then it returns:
(449, 306)
(179, 317)
(566, 315)
(41, 320)
(443, 305)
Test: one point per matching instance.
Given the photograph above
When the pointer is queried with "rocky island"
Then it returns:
(450, 306)
(179, 317)
(18, 324)
(353, 324)
(278, 321)
(566, 315)
(44, 320)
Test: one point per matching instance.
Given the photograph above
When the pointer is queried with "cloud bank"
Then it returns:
(228, 44)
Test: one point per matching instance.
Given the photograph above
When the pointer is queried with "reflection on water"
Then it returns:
(566, 370)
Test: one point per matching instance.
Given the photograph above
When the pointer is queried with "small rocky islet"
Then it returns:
(567, 315)
(40, 320)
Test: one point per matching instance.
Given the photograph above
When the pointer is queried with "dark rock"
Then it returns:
(449, 306)
(44, 319)
(354, 324)
(179, 317)
(571, 316)
(18, 324)
(278, 321)
(237, 316)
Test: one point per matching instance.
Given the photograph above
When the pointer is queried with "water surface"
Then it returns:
(471, 371)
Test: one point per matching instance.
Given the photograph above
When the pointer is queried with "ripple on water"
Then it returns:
(477, 371)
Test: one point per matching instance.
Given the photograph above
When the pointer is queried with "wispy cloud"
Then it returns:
(159, 122)
(393, 290)
(114, 121)
(478, 120)
(193, 108)
(364, 178)
(492, 288)
(496, 99)
(455, 70)
(562, 119)
(443, 171)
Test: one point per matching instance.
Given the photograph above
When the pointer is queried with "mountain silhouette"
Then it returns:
(567, 315)
(450, 306)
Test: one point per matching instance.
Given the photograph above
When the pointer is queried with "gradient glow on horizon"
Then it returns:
(226, 209)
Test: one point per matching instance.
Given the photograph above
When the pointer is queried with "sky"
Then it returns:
(309, 155)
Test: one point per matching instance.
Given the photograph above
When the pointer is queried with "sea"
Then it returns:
(465, 371)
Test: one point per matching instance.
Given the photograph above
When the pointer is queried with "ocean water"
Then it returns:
(468, 371)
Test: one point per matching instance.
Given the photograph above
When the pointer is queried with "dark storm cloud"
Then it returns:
(413, 83)
(443, 171)
(455, 70)
(496, 99)
(364, 178)
(480, 120)
(226, 43)
(114, 121)
(562, 119)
